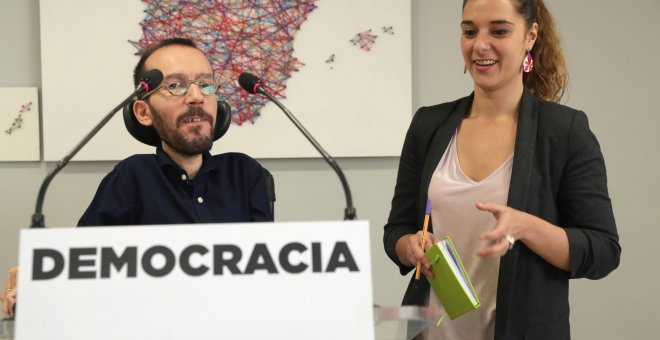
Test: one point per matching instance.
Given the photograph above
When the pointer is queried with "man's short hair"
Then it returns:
(139, 70)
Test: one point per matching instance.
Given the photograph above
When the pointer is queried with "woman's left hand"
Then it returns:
(510, 223)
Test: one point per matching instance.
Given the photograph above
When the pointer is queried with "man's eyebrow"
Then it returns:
(201, 74)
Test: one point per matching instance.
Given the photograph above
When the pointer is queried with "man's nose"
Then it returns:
(194, 94)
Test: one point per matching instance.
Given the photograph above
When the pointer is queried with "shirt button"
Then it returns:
(200, 199)
(184, 177)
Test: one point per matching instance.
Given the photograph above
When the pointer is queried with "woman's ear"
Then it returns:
(532, 34)
(142, 113)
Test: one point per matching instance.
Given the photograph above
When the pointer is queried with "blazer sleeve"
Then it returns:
(585, 207)
(403, 213)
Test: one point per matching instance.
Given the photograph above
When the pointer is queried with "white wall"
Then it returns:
(611, 49)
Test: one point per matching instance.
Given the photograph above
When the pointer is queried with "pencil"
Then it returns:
(427, 213)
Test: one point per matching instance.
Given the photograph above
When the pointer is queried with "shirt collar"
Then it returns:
(171, 169)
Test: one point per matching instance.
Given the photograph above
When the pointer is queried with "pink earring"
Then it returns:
(528, 63)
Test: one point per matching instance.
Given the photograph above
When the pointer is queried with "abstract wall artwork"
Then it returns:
(19, 124)
(342, 66)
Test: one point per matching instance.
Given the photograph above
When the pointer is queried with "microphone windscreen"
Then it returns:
(151, 79)
(249, 82)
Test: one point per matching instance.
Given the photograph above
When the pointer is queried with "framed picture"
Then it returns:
(19, 124)
(343, 67)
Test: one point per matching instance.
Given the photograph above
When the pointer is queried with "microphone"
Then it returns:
(253, 85)
(148, 82)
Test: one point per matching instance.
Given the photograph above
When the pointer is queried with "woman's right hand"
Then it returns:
(409, 251)
(8, 295)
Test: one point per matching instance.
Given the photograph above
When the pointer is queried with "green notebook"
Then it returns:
(451, 283)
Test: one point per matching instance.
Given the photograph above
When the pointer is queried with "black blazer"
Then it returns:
(558, 175)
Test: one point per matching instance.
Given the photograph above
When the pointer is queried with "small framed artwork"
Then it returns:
(19, 124)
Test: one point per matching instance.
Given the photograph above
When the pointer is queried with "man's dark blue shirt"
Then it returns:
(152, 189)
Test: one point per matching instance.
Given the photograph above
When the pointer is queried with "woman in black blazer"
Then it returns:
(556, 222)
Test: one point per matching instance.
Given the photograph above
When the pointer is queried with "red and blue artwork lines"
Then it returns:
(365, 40)
(18, 121)
(237, 36)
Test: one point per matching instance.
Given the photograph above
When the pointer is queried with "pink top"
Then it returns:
(454, 213)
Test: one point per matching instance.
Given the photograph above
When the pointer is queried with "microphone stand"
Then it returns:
(38, 217)
(349, 212)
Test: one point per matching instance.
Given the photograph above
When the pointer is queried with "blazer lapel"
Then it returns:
(524, 151)
(437, 146)
(523, 157)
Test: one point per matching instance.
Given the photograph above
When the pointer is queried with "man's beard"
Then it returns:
(173, 137)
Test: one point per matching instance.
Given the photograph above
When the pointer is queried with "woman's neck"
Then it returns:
(496, 103)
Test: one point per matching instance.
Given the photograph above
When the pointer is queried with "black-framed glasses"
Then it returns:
(178, 85)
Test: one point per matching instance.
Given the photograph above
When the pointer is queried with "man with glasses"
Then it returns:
(182, 182)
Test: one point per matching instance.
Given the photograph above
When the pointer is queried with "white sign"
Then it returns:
(303, 280)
